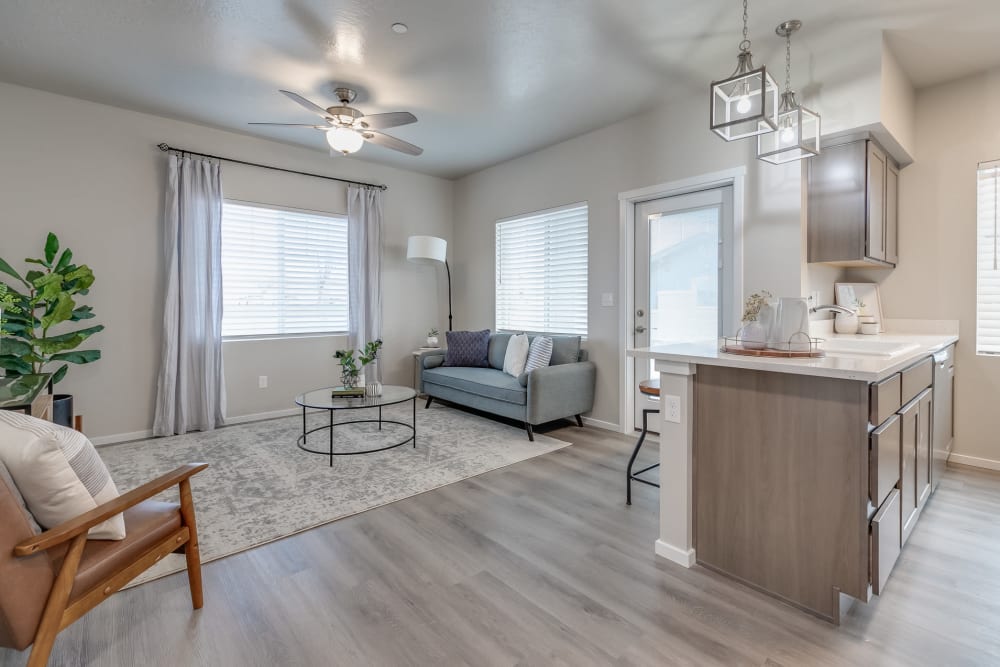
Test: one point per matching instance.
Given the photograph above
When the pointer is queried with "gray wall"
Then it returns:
(670, 142)
(92, 174)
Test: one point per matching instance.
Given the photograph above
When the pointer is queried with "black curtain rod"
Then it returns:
(165, 148)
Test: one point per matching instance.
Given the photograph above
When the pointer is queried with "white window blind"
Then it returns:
(541, 271)
(284, 271)
(988, 260)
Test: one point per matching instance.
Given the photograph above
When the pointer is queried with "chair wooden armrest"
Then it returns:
(81, 524)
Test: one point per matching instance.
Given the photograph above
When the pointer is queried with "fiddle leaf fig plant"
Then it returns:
(37, 303)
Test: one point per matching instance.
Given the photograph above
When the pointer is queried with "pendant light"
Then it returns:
(798, 128)
(746, 103)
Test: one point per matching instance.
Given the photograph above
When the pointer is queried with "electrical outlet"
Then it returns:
(814, 298)
(262, 382)
(672, 408)
(608, 299)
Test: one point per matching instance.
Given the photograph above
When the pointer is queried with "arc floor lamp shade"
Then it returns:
(427, 250)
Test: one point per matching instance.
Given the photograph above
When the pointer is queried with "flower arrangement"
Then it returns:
(753, 304)
(349, 370)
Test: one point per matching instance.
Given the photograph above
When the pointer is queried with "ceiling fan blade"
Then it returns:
(392, 142)
(315, 127)
(383, 121)
(315, 108)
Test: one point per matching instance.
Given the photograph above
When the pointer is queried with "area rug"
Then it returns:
(260, 487)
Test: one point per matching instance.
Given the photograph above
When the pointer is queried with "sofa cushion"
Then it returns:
(565, 350)
(58, 472)
(486, 382)
(467, 348)
(498, 349)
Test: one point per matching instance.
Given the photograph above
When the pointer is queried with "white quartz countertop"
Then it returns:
(849, 366)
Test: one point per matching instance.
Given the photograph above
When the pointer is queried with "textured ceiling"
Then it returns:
(488, 80)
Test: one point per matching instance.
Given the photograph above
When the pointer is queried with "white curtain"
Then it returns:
(364, 219)
(190, 392)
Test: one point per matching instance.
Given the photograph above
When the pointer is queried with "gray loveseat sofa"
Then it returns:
(563, 389)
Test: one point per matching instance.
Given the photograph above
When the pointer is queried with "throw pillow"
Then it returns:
(467, 348)
(58, 472)
(517, 355)
(19, 499)
(539, 354)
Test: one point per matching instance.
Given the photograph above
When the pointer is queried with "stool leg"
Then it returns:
(631, 461)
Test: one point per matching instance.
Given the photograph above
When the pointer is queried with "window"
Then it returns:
(541, 272)
(284, 271)
(988, 260)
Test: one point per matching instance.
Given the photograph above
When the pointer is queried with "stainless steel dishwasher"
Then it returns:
(944, 411)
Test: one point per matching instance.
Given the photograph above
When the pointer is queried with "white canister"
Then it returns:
(845, 324)
(793, 320)
(373, 389)
(869, 328)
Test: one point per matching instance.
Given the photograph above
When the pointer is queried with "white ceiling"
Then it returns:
(488, 80)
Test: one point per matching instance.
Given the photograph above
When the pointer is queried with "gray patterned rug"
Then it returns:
(260, 487)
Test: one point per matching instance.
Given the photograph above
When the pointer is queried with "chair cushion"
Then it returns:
(486, 382)
(468, 348)
(146, 524)
(498, 349)
(539, 354)
(517, 355)
(58, 472)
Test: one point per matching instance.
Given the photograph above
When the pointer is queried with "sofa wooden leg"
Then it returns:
(579, 421)
(192, 555)
(429, 399)
(531, 433)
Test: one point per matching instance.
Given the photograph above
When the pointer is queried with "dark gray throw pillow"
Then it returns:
(468, 348)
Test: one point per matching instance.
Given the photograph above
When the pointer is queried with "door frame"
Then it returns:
(735, 178)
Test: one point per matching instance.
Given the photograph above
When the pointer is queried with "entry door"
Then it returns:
(683, 287)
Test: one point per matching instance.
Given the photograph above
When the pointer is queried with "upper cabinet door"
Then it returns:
(891, 213)
(875, 246)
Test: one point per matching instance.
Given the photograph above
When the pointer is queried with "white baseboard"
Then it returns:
(600, 423)
(119, 438)
(974, 461)
(684, 557)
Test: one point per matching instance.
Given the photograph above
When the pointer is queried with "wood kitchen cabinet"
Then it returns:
(853, 193)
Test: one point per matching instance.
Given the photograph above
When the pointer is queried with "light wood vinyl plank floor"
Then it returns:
(541, 563)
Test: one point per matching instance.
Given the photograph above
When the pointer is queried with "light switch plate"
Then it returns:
(608, 299)
(671, 408)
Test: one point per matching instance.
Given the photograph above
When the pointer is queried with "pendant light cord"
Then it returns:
(788, 62)
(745, 44)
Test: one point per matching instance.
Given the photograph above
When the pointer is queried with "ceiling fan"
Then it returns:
(347, 129)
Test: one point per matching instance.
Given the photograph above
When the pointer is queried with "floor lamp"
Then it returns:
(428, 249)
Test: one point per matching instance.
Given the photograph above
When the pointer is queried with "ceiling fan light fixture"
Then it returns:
(344, 140)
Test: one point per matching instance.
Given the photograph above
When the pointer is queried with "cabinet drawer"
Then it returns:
(883, 462)
(916, 378)
(884, 399)
(885, 545)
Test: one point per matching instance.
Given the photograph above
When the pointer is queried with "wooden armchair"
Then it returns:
(49, 580)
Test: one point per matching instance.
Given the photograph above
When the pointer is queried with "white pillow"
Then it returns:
(539, 354)
(517, 354)
(58, 472)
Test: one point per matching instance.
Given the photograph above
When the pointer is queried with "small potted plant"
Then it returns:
(754, 334)
(350, 372)
(432, 338)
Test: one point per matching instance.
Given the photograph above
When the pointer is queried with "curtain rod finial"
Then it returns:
(163, 147)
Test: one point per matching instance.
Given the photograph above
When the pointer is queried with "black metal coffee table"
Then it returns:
(323, 399)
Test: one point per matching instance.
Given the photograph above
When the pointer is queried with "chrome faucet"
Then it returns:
(836, 309)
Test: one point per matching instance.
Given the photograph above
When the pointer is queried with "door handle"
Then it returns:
(640, 329)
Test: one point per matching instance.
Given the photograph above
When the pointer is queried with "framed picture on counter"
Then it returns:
(852, 295)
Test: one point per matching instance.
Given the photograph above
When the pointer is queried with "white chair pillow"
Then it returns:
(517, 355)
(58, 472)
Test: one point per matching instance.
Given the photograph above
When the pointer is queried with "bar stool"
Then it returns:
(648, 388)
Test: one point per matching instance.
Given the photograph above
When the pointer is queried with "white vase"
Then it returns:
(373, 389)
(845, 324)
(754, 335)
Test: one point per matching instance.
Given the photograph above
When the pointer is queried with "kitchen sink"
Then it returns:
(870, 348)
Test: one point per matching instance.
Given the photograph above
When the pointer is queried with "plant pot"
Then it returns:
(754, 335)
(62, 410)
(845, 324)
(432, 341)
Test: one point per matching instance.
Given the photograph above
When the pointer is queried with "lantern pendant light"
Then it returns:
(745, 104)
(798, 128)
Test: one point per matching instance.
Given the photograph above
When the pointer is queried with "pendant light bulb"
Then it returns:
(743, 105)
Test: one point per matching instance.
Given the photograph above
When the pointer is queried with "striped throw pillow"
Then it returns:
(539, 353)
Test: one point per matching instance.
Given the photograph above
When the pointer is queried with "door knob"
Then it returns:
(640, 329)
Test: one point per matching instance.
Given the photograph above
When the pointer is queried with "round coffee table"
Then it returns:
(323, 399)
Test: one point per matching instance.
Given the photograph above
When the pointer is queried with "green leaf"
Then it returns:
(51, 248)
(83, 313)
(48, 286)
(14, 365)
(59, 374)
(81, 278)
(13, 347)
(64, 261)
(60, 311)
(33, 275)
(31, 260)
(63, 342)
(9, 270)
(77, 357)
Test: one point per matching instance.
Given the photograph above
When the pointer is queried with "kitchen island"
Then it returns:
(802, 477)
